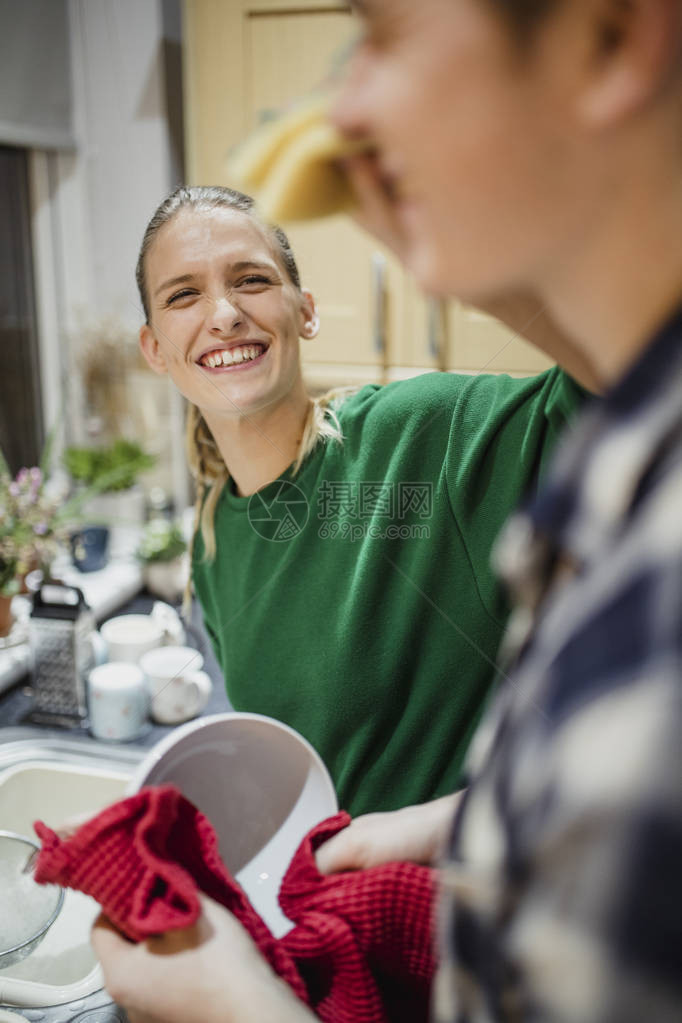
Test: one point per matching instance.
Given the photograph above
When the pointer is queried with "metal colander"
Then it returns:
(27, 909)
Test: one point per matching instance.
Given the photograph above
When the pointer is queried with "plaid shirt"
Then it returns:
(562, 896)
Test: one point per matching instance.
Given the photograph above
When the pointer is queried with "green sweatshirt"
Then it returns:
(356, 602)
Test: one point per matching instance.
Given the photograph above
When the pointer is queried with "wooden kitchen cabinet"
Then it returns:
(457, 338)
(479, 343)
(246, 58)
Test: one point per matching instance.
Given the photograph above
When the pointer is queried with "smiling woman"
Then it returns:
(323, 524)
(224, 314)
(239, 279)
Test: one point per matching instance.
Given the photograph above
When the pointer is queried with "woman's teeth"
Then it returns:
(245, 353)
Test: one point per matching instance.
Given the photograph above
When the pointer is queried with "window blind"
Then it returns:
(35, 74)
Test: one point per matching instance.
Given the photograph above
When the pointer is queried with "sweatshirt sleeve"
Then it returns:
(502, 435)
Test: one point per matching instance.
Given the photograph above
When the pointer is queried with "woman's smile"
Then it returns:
(240, 356)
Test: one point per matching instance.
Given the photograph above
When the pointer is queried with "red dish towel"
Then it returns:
(361, 950)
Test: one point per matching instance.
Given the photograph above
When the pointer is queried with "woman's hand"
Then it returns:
(417, 834)
(209, 972)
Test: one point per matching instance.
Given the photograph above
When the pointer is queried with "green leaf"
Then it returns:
(115, 467)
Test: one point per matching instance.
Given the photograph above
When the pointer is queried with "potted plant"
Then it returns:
(162, 552)
(34, 520)
(112, 470)
(37, 515)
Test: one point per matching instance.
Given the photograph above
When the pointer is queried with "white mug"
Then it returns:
(128, 637)
(118, 700)
(178, 688)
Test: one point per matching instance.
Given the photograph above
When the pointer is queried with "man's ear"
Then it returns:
(635, 49)
(311, 321)
(151, 349)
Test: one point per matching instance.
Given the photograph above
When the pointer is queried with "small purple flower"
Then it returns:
(40, 528)
(22, 475)
(36, 476)
(14, 488)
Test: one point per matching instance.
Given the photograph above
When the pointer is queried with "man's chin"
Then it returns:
(432, 272)
(440, 275)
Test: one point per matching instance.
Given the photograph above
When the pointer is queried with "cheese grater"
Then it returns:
(60, 629)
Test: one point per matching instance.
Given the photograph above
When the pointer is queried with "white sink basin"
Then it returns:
(52, 779)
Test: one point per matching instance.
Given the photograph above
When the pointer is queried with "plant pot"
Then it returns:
(124, 512)
(167, 579)
(119, 507)
(6, 619)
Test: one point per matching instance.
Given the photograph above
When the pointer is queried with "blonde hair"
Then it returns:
(205, 461)
(210, 472)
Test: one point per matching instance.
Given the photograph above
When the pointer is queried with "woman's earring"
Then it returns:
(311, 327)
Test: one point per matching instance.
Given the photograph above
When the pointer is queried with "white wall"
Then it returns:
(123, 142)
(91, 207)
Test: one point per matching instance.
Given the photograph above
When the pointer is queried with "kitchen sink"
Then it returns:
(46, 776)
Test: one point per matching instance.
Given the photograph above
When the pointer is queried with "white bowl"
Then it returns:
(262, 786)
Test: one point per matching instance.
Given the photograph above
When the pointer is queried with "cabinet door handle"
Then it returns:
(436, 327)
(379, 301)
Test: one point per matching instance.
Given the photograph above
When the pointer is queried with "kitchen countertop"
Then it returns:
(15, 703)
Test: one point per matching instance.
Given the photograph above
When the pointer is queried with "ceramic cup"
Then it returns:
(90, 548)
(118, 700)
(128, 637)
(178, 688)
